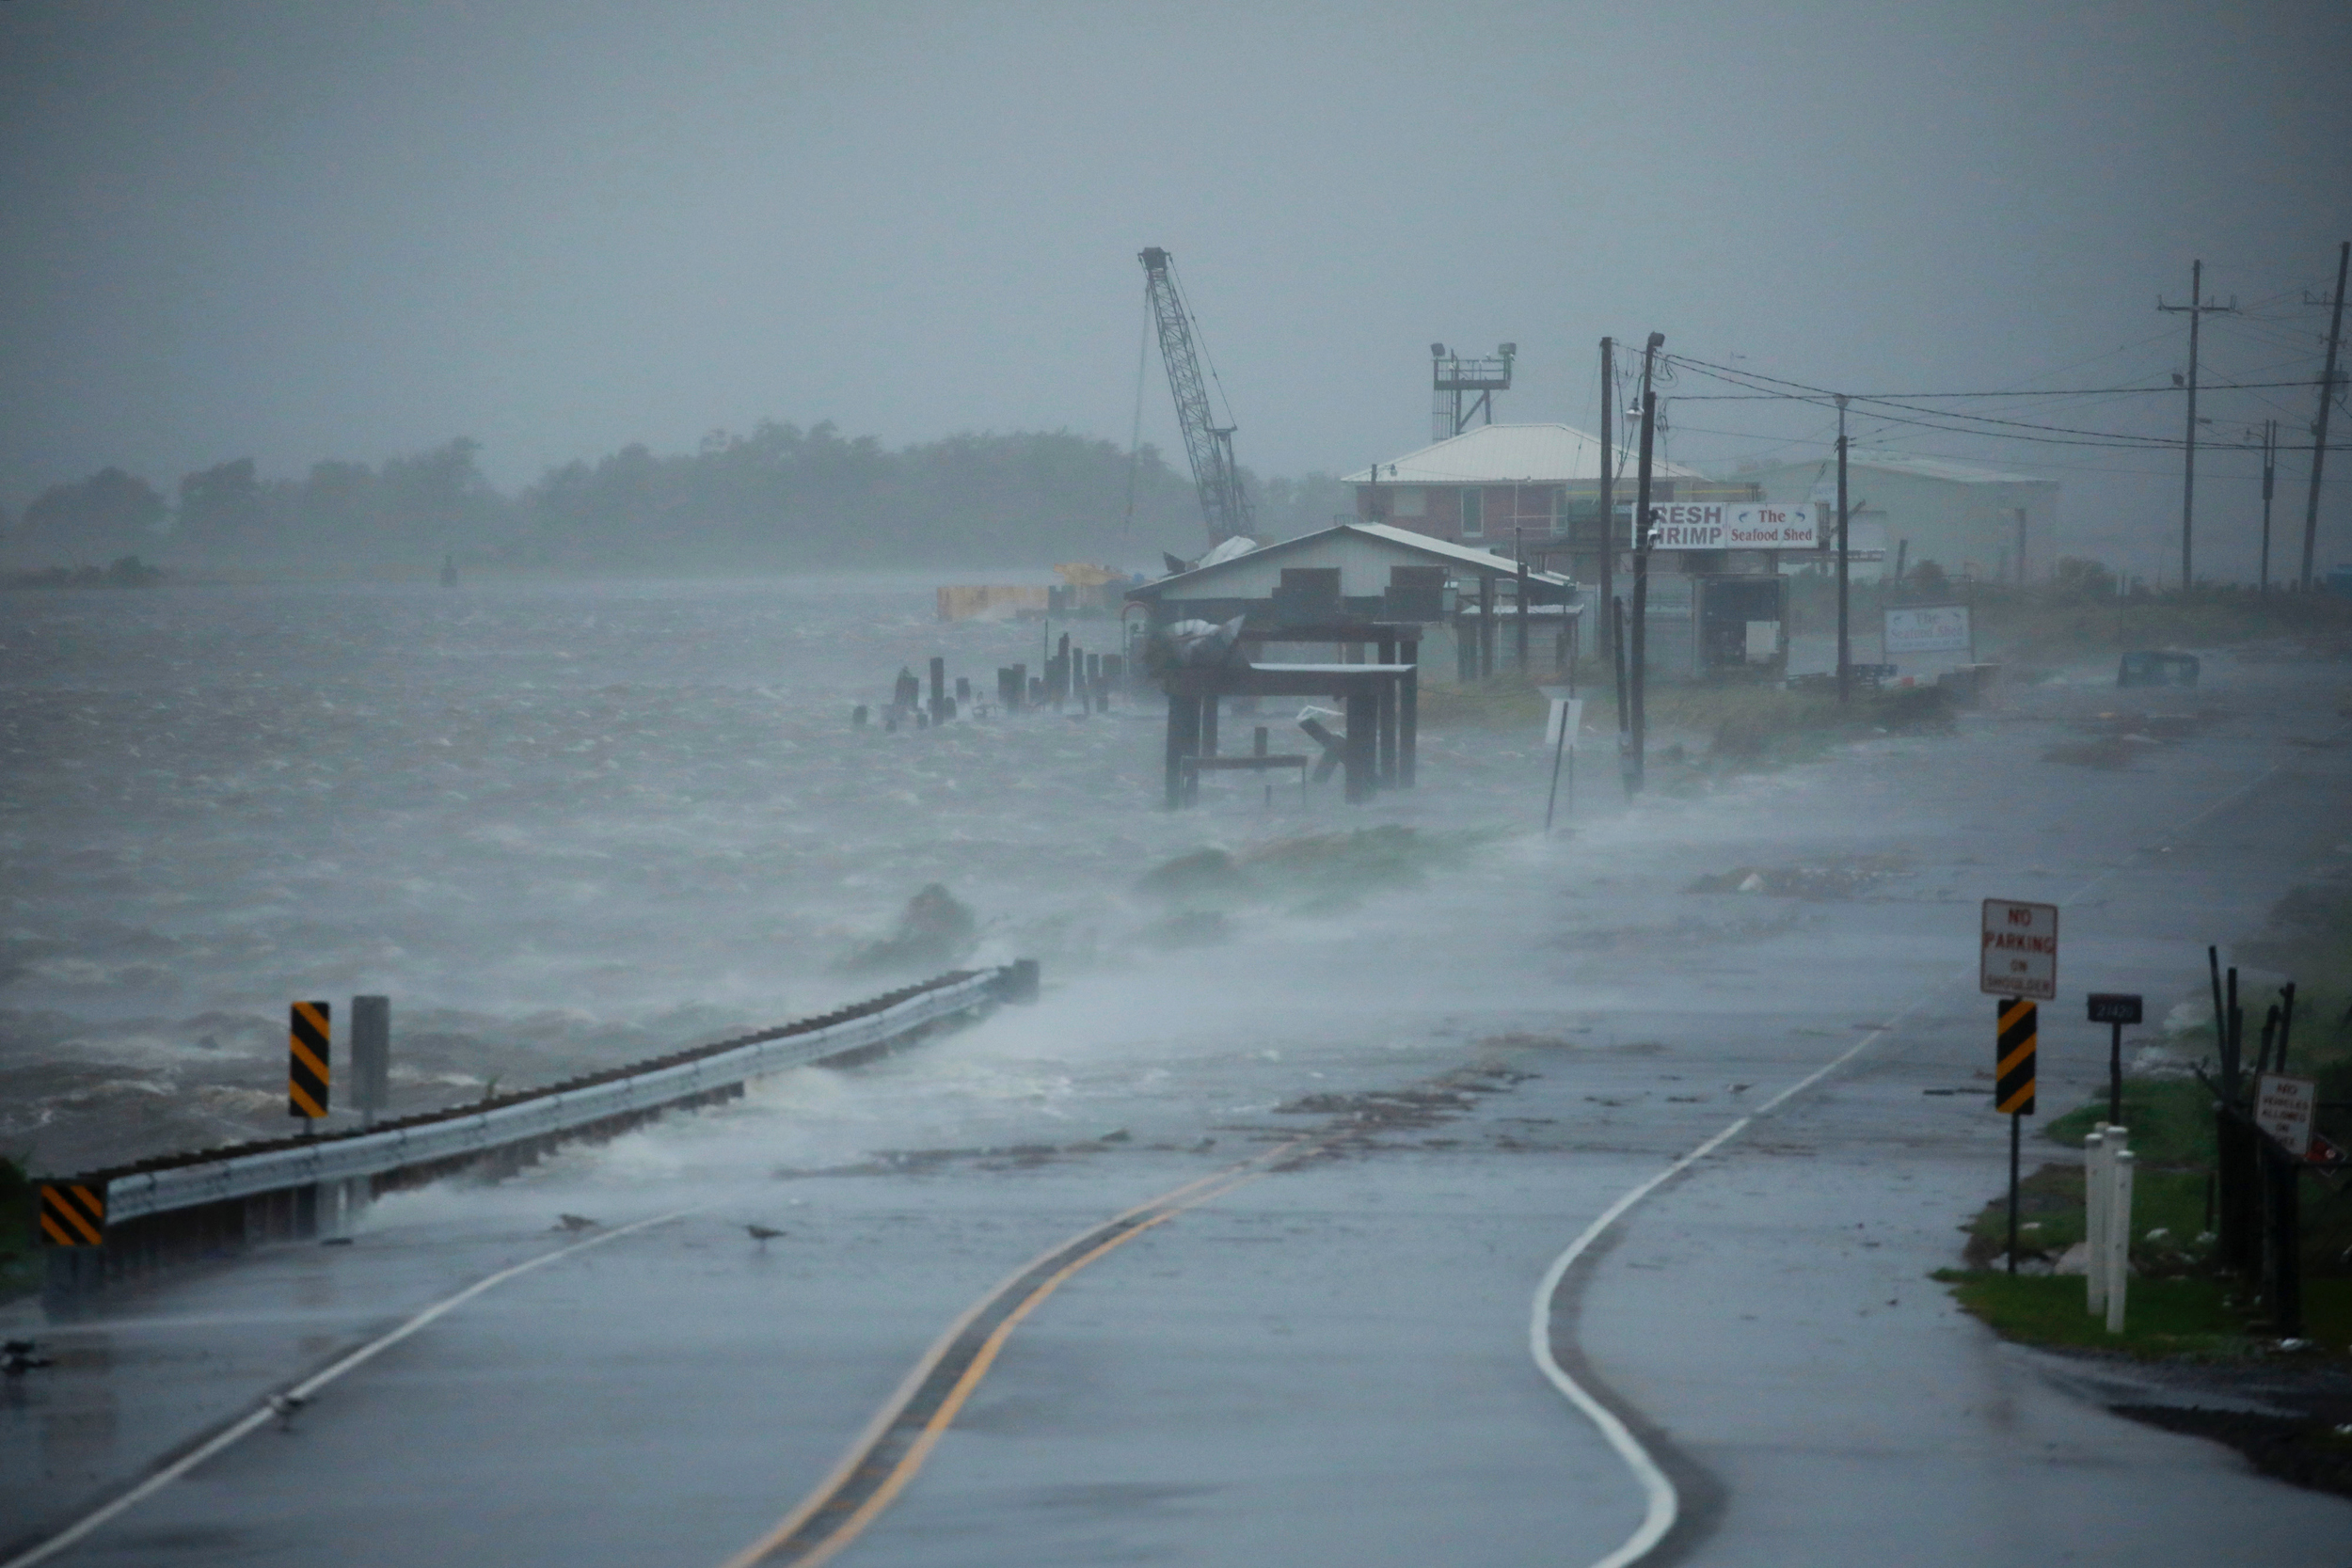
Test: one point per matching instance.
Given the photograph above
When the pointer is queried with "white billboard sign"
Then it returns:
(2019, 953)
(1927, 629)
(1734, 526)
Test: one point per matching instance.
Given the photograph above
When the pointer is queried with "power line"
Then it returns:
(2051, 435)
(2052, 393)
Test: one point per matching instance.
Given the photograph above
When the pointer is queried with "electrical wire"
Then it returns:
(2050, 434)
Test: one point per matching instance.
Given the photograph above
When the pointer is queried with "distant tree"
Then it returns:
(334, 508)
(224, 508)
(2077, 578)
(1928, 581)
(437, 499)
(109, 514)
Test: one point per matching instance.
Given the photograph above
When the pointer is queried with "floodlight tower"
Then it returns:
(1450, 376)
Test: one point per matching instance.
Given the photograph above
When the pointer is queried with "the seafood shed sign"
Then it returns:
(1723, 526)
(2020, 950)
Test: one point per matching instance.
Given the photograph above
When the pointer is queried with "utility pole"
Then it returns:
(1844, 644)
(2270, 473)
(2319, 427)
(1609, 527)
(1638, 762)
(2197, 309)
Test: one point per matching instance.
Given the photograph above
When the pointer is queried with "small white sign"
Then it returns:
(1568, 712)
(2019, 955)
(1727, 525)
(1927, 629)
(2283, 1107)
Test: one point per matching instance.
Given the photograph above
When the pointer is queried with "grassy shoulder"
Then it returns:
(1723, 727)
(2192, 1319)
(2181, 1303)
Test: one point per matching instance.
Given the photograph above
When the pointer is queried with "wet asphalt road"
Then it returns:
(1329, 1364)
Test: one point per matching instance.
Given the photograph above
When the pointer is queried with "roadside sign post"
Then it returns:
(308, 1032)
(2017, 961)
(2285, 1109)
(2019, 952)
(1568, 717)
(2115, 1009)
(2015, 1025)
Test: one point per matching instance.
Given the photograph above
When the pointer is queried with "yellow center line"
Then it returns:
(1155, 1211)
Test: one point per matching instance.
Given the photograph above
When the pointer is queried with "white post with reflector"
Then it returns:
(2095, 1168)
(2118, 1238)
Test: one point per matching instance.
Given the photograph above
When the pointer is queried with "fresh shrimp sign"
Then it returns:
(1722, 526)
(2020, 950)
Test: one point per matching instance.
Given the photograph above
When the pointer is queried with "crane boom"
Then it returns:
(1223, 506)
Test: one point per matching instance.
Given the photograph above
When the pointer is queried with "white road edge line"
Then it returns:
(245, 1425)
(1663, 1505)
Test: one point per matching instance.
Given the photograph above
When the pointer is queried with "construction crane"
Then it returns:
(1210, 445)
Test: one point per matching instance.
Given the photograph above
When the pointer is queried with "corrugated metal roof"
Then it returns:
(1510, 454)
(1477, 559)
(1420, 544)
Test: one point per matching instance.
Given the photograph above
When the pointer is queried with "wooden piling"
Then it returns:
(1518, 614)
(1183, 739)
(1409, 715)
(1486, 625)
(1388, 716)
(1363, 758)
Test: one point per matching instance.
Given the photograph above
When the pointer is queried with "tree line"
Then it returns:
(779, 498)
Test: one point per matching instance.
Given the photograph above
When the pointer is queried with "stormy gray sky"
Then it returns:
(292, 231)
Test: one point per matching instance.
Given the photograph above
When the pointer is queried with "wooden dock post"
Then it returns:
(1409, 715)
(1485, 627)
(1183, 740)
(1519, 615)
(1362, 757)
(939, 689)
(1389, 695)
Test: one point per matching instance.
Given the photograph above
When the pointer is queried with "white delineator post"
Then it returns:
(2118, 1238)
(2095, 1167)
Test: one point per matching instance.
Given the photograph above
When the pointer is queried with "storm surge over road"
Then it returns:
(1354, 1076)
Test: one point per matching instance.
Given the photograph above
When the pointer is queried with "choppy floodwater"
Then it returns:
(557, 824)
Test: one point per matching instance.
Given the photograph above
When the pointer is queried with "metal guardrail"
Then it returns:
(189, 1182)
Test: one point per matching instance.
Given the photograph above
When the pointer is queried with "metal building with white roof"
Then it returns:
(1971, 521)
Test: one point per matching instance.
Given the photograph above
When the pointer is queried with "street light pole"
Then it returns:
(1845, 646)
(1638, 760)
(1609, 531)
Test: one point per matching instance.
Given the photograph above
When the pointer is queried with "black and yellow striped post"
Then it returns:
(73, 1213)
(307, 1057)
(2016, 1030)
